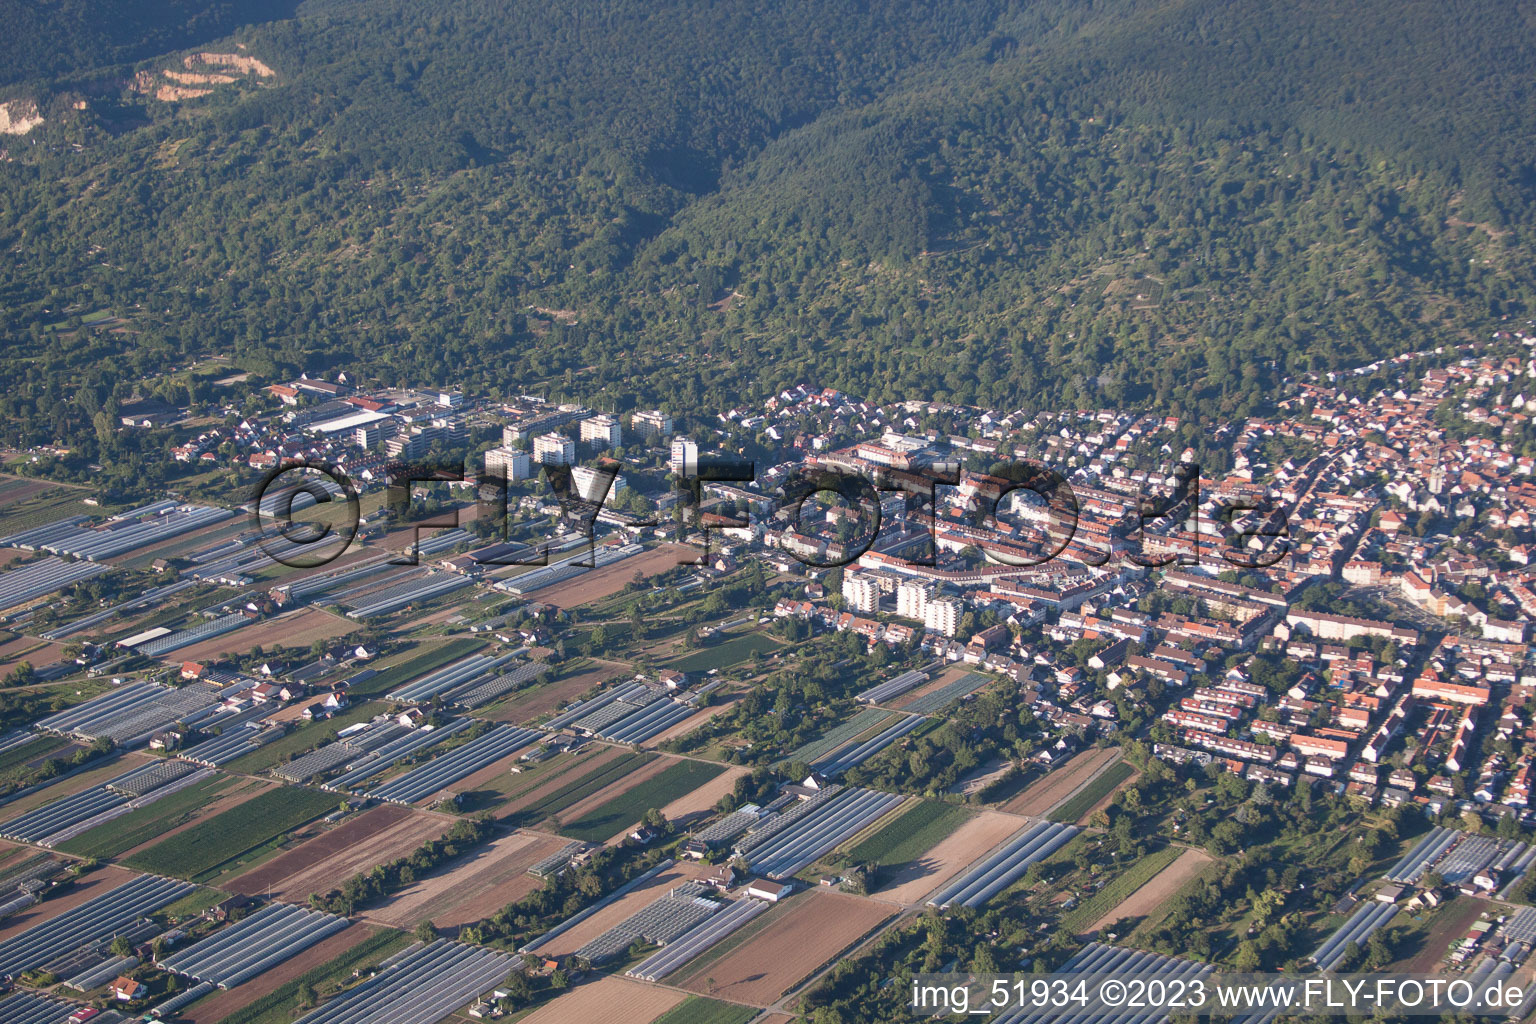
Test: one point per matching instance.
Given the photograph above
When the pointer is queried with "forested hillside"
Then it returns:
(1062, 203)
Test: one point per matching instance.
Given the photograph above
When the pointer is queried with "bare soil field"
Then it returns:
(623, 907)
(221, 1004)
(474, 887)
(910, 882)
(74, 784)
(324, 862)
(290, 629)
(607, 998)
(1451, 924)
(541, 700)
(693, 806)
(9, 555)
(815, 927)
(1157, 890)
(30, 649)
(88, 888)
(597, 584)
(1062, 782)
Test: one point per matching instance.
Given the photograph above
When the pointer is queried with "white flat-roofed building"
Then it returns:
(685, 456)
(651, 423)
(942, 615)
(861, 593)
(554, 450)
(508, 463)
(602, 432)
(912, 597)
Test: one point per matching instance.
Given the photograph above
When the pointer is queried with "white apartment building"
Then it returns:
(602, 432)
(554, 450)
(861, 593)
(912, 597)
(508, 463)
(685, 456)
(651, 423)
(943, 615)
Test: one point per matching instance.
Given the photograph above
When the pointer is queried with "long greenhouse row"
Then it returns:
(831, 823)
(376, 761)
(89, 923)
(449, 768)
(465, 670)
(1362, 924)
(273, 934)
(420, 987)
(659, 922)
(152, 525)
(1004, 865)
(29, 582)
(131, 715)
(840, 761)
(892, 687)
(697, 940)
(421, 588)
(565, 568)
(1096, 962)
(26, 1008)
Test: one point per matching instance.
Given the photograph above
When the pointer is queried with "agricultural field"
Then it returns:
(607, 998)
(1102, 906)
(298, 629)
(625, 809)
(1061, 782)
(605, 581)
(533, 702)
(910, 881)
(224, 843)
(1086, 800)
(374, 837)
(473, 887)
(788, 946)
(554, 798)
(916, 830)
(726, 653)
(158, 819)
(699, 1010)
(1170, 875)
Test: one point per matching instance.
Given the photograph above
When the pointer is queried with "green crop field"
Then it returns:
(725, 654)
(701, 1010)
(575, 790)
(629, 807)
(911, 835)
(18, 756)
(1113, 894)
(142, 825)
(1079, 803)
(211, 846)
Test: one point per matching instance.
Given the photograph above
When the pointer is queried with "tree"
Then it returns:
(425, 932)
